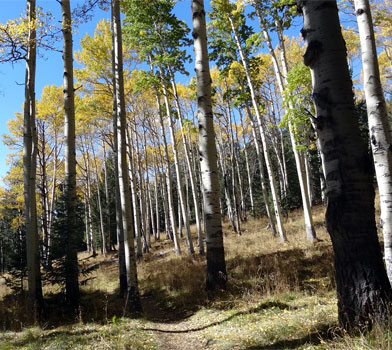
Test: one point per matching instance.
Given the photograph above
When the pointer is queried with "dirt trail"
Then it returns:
(172, 329)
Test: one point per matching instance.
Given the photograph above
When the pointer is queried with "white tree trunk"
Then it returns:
(101, 224)
(72, 270)
(268, 163)
(259, 153)
(129, 245)
(191, 170)
(29, 172)
(180, 186)
(216, 265)
(299, 158)
(135, 204)
(379, 127)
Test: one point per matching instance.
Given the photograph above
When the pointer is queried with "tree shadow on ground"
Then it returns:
(262, 306)
(95, 306)
(182, 292)
(324, 332)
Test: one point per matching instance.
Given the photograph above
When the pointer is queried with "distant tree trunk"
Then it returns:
(133, 297)
(267, 158)
(363, 289)
(52, 201)
(168, 183)
(156, 182)
(107, 199)
(101, 224)
(298, 155)
(216, 265)
(264, 190)
(180, 187)
(248, 171)
(191, 170)
(86, 223)
(72, 270)
(135, 204)
(379, 128)
(89, 223)
(29, 172)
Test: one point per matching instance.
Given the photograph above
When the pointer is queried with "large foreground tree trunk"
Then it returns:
(363, 288)
(29, 172)
(379, 128)
(71, 263)
(216, 265)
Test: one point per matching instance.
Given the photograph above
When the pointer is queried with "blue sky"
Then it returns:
(49, 68)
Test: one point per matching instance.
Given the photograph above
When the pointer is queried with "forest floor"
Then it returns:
(279, 296)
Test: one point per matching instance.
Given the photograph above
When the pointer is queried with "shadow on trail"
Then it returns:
(325, 332)
(96, 307)
(172, 295)
(173, 291)
(262, 306)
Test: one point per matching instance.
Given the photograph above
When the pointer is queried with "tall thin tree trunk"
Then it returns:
(156, 182)
(267, 158)
(168, 184)
(71, 263)
(135, 204)
(180, 187)
(101, 224)
(216, 265)
(190, 167)
(259, 153)
(379, 127)
(122, 270)
(29, 172)
(107, 198)
(133, 297)
(248, 171)
(298, 155)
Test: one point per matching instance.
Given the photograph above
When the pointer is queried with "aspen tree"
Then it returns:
(29, 170)
(216, 265)
(71, 260)
(133, 298)
(379, 127)
(363, 288)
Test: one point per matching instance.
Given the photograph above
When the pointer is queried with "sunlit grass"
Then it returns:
(279, 296)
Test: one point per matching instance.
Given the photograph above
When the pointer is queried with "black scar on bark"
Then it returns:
(305, 32)
(322, 99)
(326, 5)
(313, 51)
(359, 12)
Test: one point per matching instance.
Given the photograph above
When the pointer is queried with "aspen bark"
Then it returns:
(133, 297)
(71, 260)
(190, 169)
(379, 127)
(216, 265)
(298, 156)
(363, 288)
(122, 271)
(180, 186)
(267, 158)
(29, 172)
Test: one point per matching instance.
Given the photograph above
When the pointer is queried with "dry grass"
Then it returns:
(279, 296)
